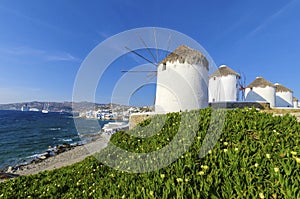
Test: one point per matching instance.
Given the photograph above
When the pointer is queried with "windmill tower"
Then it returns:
(261, 90)
(182, 79)
(284, 96)
(224, 85)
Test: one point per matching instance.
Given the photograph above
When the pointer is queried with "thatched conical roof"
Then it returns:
(224, 71)
(186, 54)
(295, 99)
(281, 88)
(260, 82)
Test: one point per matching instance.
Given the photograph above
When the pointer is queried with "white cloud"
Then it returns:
(22, 50)
(44, 55)
(62, 57)
(271, 18)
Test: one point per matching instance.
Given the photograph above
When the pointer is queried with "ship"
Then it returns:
(45, 108)
(25, 108)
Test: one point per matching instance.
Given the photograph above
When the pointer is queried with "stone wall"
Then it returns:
(136, 118)
(231, 105)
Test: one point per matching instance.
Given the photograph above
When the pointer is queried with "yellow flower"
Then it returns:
(201, 173)
(261, 195)
(151, 193)
(268, 155)
(276, 169)
(236, 149)
(179, 180)
(293, 153)
(297, 159)
(205, 167)
(162, 176)
(225, 143)
(225, 150)
(209, 151)
(256, 165)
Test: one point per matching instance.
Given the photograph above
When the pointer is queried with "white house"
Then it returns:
(182, 79)
(223, 85)
(261, 90)
(284, 96)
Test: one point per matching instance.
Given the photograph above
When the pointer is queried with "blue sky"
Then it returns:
(43, 43)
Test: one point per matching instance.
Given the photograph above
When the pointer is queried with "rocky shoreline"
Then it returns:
(57, 157)
(52, 151)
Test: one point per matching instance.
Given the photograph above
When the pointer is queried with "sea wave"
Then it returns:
(65, 140)
(54, 129)
(35, 156)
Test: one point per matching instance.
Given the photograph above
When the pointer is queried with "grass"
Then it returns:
(256, 156)
(282, 111)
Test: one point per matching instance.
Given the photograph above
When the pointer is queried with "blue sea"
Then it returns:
(23, 135)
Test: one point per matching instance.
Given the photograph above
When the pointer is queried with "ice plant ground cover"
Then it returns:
(257, 156)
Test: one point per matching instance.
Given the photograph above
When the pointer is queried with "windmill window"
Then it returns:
(164, 67)
(214, 78)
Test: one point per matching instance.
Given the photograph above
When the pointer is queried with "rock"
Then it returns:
(35, 161)
(7, 175)
(65, 145)
(10, 169)
(62, 148)
(43, 157)
(52, 153)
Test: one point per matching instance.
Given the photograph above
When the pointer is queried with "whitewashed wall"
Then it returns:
(296, 104)
(223, 88)
(258, 94)
(284, 99)
(181, 87)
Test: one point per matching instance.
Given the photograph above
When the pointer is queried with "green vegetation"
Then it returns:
(257, 156)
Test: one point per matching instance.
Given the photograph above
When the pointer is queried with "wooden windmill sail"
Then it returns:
(154, 60)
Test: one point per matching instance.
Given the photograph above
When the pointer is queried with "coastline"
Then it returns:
(71, 156)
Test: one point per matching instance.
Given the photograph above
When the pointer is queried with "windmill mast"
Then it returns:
(242, 86)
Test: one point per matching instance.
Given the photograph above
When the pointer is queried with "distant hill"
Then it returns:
(59, 106)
